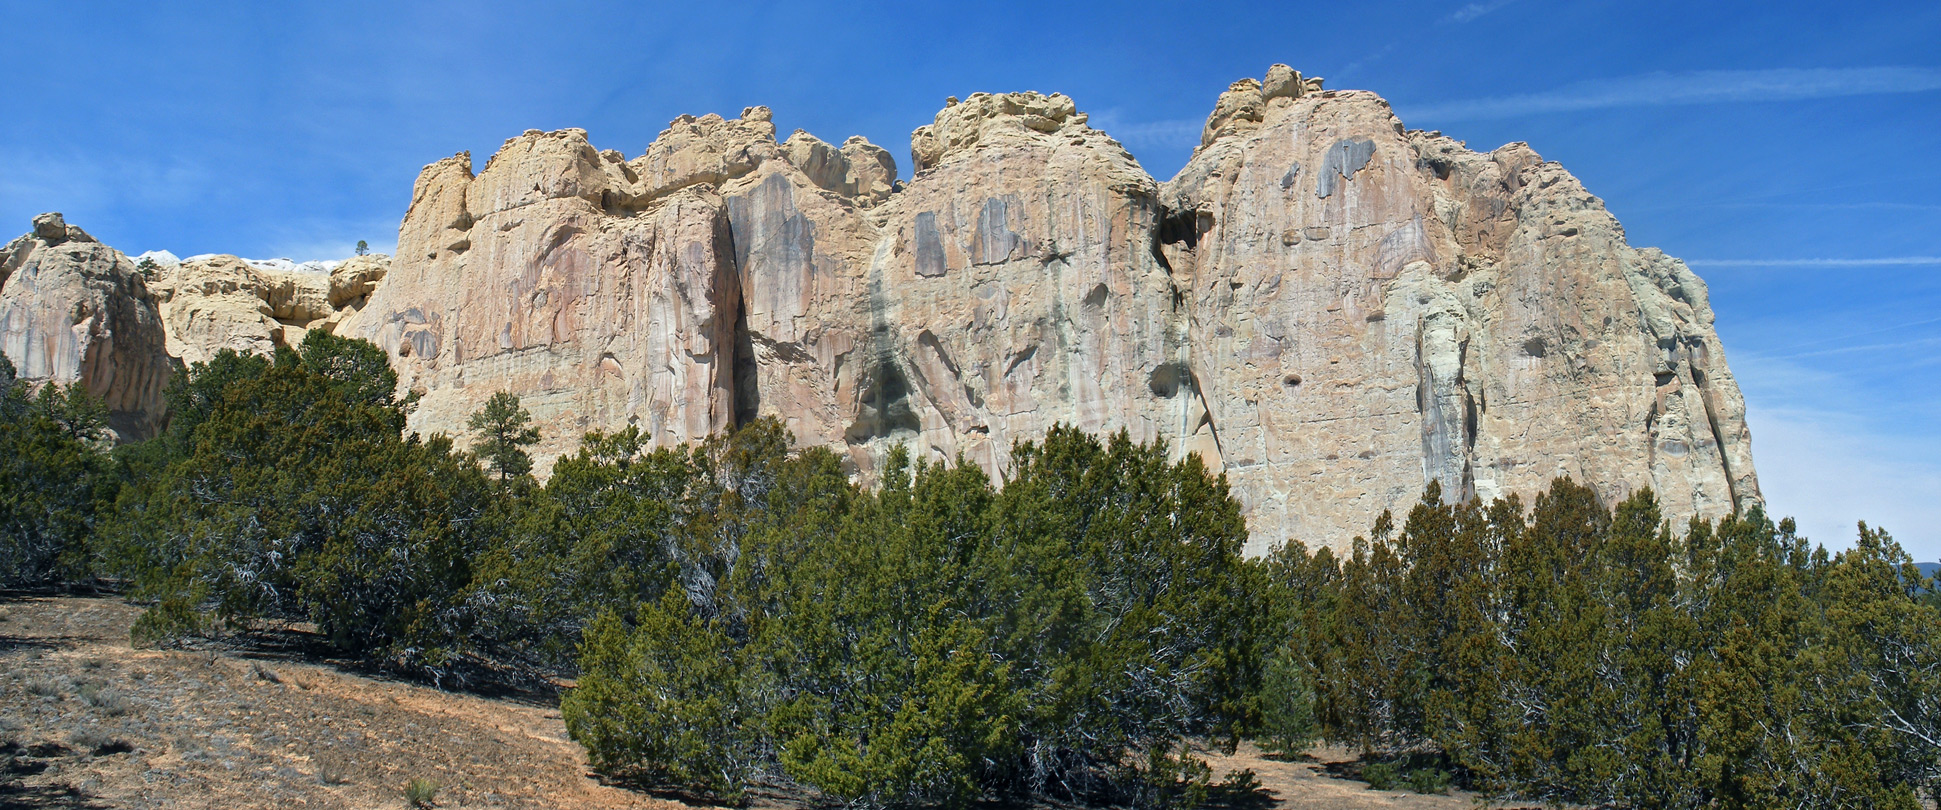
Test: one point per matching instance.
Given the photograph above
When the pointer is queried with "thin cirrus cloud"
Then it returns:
(1696, 87)
(1889, 261)
(1180, 132)
(1474, 10)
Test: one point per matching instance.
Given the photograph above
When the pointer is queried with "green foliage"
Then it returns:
(737, 612)
(356, 369)
(283, 490)
(1288, 724)
(55, 477)
(663, 701)
(933, 642)
(363, 248)
(1429, 780)
(1580, 655)
(504, 431)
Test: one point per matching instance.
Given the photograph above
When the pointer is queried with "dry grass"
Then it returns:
(47, 687)
(257, 728)
(420, 793)
(274, 730)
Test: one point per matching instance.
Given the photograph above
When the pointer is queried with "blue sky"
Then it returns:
(1788, 150)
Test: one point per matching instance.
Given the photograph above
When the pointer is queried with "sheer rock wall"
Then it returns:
(1327, 307)
(1375, 307)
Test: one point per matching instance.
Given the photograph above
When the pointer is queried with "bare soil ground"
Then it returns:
(87, 721)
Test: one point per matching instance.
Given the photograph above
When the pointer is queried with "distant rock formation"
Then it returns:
(73, 310)
(1327, 307)
(216, 302)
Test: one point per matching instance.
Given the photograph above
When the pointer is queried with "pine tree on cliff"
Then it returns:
(504, 430)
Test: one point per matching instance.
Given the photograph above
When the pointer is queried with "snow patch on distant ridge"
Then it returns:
(323, 267)
(167, 259)
(160, 257)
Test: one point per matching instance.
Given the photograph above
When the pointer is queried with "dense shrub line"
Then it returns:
(935, 639)
(736, 613)
(1578, 655)
(54, 478)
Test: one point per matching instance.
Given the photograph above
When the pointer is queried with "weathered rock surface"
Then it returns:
(1014, 286)
(211, 303)
(551, 275)
(1375, 307)
(1327, 307)
(75, 310)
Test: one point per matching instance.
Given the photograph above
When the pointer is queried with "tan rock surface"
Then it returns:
(75, 310)
(551, 276)
(211, 303)
(1326, 306)
(1374, 307)
(608, 293)
(1014, 286)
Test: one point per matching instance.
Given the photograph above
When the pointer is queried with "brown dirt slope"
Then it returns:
(86, 721)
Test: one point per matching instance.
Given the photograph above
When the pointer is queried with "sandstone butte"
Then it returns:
(1327, 307)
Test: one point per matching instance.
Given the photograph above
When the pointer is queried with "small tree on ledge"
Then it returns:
(363, 248)
(504, 429)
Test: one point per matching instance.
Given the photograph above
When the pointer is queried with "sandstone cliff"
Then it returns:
(75, 310)
(1326, 306)
(1374, 307)
(211, 303)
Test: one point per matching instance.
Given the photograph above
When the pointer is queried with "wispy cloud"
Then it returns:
(1849, 334)
(52, 180)
(1890, 261)
(1474, 10)
(1178, 132)
(329, 239)
(1353, 68)
(1897, 346)
(1697, 87)
(1829, 473)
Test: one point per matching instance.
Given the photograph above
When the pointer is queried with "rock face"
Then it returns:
(75, 310)
(211, 303)
(1014, 285)
(553, 275)
(1327, 307)
(1375, 307)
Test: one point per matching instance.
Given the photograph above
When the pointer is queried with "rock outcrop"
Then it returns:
(1014, 286)
(73, 310)
(551, 274)
(1374, 307)
(216, 302)
(1327, 307)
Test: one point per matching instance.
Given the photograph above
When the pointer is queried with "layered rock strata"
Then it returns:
(73, 310)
